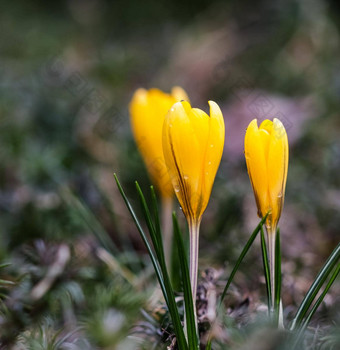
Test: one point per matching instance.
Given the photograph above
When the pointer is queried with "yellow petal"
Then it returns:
(277, 168)
(265, 132)
(214, 149)
(257, 166)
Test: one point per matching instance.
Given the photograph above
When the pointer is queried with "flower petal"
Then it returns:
(278, 165)
(257, 167)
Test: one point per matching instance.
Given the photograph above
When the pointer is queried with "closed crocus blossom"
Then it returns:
(266, 153)
(148, 109)
(193, 145)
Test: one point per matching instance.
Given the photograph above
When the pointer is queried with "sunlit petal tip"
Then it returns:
(179, 94)
(215, 110)
(278, 124)
(252, 127)
(279, 130)
(139, 97)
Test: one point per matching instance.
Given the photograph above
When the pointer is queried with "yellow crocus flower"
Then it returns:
(266, 153)
(193, 145)
(147, 110)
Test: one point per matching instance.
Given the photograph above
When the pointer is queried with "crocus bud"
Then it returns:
(266, 153)
(148, 109)
(193, 145)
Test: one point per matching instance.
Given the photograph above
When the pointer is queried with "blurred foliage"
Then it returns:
(68, 69)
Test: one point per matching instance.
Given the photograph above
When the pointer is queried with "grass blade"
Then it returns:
(154, 204)
(156, 237)
(159, 265)
(140, 230)
(316, 306)
(156, 219)
(315, 287)
(278, 276)
(188, 300)
(242, 255)
(150, 224)
(266, 270)
(322, 296)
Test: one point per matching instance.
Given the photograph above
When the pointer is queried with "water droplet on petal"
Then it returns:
(177, 189)
(211, 145)
(186, 177)
(209, 163)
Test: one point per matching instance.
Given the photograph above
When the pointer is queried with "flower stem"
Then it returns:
(271, 253)
(167, 228)
(276, 312)
(194, 226)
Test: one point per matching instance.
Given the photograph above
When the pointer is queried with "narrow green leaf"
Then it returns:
(242, 255)
(322, 296)
(156, 219)
(140, 230)
(266, 270)
(175, 265)
(305, 323)
(278, 276)
(188, 300)
(315, 287)
(149, 223)
(156, 237)
(159, 266)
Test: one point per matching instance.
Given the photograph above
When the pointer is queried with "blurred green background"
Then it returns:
(68, 71)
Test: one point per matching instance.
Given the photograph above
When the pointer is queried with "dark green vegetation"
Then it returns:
(78, 273)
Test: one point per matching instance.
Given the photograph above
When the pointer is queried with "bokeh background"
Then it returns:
(68, 71)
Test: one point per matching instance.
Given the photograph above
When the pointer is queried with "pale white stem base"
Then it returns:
(194, 227)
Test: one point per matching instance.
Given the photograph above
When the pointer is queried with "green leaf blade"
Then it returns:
(242, 255)
(266, 270)
(315, 287)
(278, 275)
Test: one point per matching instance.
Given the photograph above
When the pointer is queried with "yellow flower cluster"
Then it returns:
(183, 146)
(182, 149)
